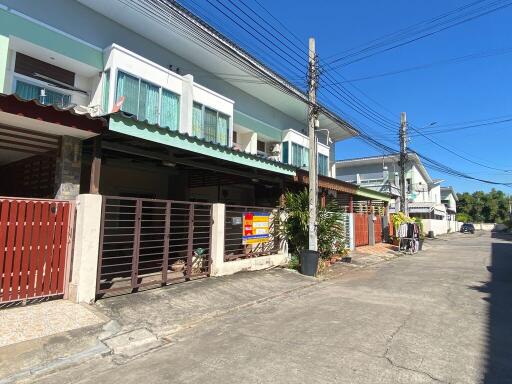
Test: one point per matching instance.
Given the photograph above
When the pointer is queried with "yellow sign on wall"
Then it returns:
(255, 228)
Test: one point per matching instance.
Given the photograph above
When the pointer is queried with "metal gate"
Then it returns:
(361, 232)
(377, 229)
(34, 242)
(148, 242)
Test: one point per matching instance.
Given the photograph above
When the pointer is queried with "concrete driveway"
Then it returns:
(442, 316)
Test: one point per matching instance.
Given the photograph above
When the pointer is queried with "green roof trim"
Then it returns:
(144, 130)
(371, 194)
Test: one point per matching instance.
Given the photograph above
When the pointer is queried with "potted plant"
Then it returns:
(294, 228)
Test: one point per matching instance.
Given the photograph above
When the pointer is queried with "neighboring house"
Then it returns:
(177, 126)
(381, 173)
(449, 199)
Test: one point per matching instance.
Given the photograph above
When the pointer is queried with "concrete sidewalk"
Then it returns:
(37, 336)
(40, 338)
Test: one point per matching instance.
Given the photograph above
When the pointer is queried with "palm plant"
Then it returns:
(330, 230)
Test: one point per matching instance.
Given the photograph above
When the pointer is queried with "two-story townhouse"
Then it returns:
(179, 124)
(449, 199)
(381, 173)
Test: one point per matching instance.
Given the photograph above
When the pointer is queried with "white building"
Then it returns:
(381, 173)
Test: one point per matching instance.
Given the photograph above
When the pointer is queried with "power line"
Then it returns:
(258, 72)
(384, 46)
(455, 60)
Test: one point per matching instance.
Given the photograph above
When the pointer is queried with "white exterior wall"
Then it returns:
(441, 227)
(419, 185)
(291, 135)
(435, 194)
(118, 58)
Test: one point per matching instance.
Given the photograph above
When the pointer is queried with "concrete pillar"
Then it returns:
(371, 229)
(67, 171)
(4, 62)
(352, 231)
(86, 249)
(186, 103)
(217, 250)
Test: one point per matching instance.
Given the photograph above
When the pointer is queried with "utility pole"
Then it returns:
(402, 162)
(312, 118)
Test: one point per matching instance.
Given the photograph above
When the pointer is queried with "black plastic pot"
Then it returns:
(420, 244)
(309, 262)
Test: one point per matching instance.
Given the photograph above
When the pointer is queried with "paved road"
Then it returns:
(442, 316)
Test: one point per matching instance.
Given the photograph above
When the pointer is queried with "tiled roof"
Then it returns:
(63, 116)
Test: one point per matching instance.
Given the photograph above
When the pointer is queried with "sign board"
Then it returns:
(255, 227)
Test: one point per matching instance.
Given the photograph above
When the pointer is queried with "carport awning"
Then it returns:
(121, 123)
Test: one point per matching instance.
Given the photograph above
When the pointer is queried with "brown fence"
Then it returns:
(377, 229)
(233, 232)
(34, 240)
(147, 242)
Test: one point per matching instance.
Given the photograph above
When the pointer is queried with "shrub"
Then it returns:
(330, 230)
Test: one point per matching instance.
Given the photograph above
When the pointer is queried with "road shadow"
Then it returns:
(498, 367)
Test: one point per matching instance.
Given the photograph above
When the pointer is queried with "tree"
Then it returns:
(479, 206)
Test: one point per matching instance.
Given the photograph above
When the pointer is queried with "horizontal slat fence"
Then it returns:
(149, 242)
(34, 238)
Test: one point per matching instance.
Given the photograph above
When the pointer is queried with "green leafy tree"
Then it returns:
(491, 207)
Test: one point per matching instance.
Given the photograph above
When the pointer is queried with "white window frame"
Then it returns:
(160, 88)
(203, 107)
(38, 83)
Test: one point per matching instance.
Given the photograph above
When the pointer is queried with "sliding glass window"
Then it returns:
(323, 166)
(209, 124)
(43, 94)
(147, 101)
(300, 156)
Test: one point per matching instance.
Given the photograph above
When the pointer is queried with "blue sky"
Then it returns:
(455, 93)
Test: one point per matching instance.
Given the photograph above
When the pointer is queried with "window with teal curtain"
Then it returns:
(300, 156)
(149, 102)
(210, 125)
(222, 129)
(285, 152)
(128, 86)
(27, 91)
(197, 120)
(106, 87)
(33, 92)
(323, 168)
(169, 110)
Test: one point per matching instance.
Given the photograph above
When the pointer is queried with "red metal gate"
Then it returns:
(34, 239)
(149, 242)
(377, 229)
(362, 232)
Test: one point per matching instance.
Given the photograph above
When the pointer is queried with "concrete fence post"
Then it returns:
(352, 231)
(86, 248)
(283, 244)
(371, 229)
(218, 228)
